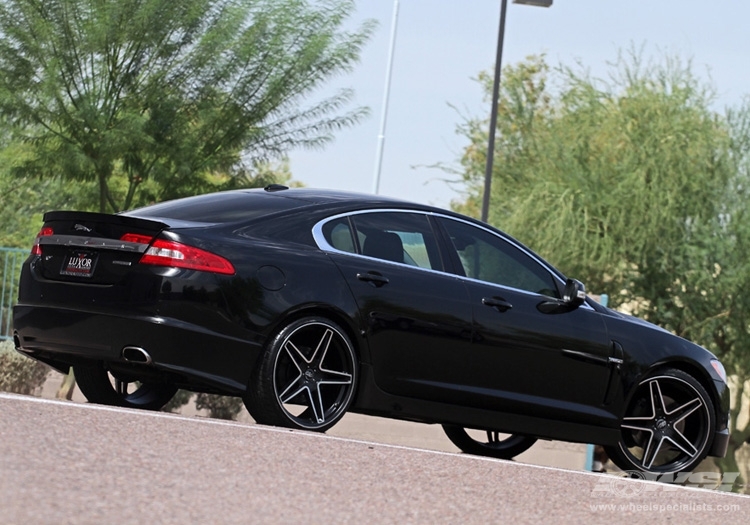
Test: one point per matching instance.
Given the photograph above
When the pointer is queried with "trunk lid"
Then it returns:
(93, 248)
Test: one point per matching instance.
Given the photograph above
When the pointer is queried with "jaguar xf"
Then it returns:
(310, 303)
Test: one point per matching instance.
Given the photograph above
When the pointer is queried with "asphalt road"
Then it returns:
(63, 462)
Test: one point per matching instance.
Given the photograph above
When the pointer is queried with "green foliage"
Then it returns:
(180, 399)
(19, 373)
(154, 97)
(606, 181)
(220, 407)
(26, 198)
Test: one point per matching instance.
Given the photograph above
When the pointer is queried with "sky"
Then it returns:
(442, 45)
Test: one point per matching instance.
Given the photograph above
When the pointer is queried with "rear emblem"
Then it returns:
(81, 228)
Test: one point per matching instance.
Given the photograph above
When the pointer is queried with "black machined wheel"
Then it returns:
(667, 427)
(101, 386)
(488, 442)
(306, 378)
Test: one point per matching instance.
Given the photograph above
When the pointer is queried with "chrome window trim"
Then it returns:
(320, 240)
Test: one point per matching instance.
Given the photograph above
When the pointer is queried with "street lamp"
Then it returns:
(495, 96)
(386, 96)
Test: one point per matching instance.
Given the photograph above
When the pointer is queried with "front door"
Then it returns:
(553, 365)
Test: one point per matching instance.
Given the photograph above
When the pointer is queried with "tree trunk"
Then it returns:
(67, 386)
(102, 193)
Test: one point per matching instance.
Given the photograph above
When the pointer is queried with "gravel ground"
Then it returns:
(63, 462)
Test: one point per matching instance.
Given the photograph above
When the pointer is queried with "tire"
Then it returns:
(497, 445)
(100, 386)
(306, 378)
(667, 427)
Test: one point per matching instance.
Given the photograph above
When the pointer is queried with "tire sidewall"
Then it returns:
(517, 444)
(621, 456)
(94, 383)
(263, 401)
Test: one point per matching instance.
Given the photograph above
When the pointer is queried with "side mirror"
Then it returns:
(574, 293)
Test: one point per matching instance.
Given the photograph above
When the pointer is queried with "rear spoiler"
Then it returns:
(106, 218)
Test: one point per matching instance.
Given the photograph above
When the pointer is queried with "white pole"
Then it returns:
(386, 96)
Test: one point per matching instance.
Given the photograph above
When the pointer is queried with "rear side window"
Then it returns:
(339, 235)
(400, 237)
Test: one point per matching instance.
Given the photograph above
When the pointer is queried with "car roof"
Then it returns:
(247, 204)
(323, 196)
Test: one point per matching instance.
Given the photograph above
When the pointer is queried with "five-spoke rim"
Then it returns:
(491, 443)
(497, 439)
(667, 425)
(124, 388)
(139, 393)
(314, 375)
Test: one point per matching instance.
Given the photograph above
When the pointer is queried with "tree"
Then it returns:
(147, 99)
(635, 186)
(608, 181)
(717, 298)
(26, 198)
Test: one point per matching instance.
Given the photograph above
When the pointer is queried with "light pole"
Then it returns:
(386, 96)
(495, 96)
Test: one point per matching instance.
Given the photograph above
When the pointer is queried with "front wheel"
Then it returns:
(667, 426)
(306, 378)
(488, 442)
(100, 386)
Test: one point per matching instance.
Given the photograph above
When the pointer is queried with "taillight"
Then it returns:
(136, 237)
(44, 232)
(177, 255)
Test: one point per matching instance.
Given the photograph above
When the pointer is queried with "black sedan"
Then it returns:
(310, 303)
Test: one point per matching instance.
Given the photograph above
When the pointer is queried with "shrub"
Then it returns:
(18, 373)
(180, 399)
(220, 407)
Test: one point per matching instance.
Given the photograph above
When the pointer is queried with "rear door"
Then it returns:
(417, 317)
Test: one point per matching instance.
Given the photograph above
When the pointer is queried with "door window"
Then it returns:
(339, 235)
(400, 237)
(487, 257)
(405, 238)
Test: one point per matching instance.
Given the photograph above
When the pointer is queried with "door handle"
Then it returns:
(495, 302)
(375, 279)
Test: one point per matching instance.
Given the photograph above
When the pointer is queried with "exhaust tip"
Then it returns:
(136, 354)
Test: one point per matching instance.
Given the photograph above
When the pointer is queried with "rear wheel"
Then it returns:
(667, 426)
(306, 378)
(488, 442)
(101, 386)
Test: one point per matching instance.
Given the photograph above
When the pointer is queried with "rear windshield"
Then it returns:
(224, 207)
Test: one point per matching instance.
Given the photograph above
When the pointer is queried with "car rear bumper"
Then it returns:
(66, 337)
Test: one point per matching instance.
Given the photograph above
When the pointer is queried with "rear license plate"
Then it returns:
(79, 264)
